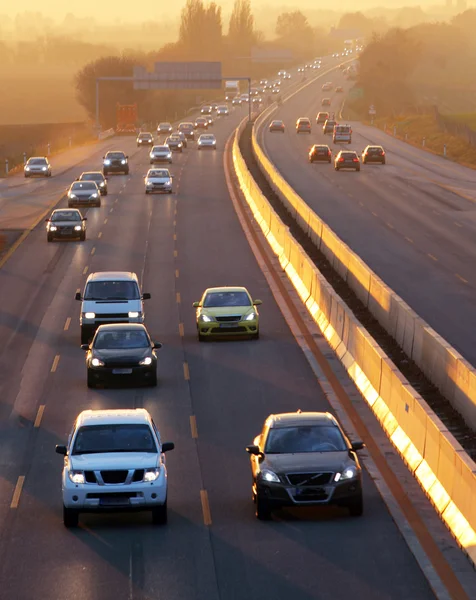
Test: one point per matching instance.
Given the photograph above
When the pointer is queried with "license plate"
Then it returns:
(121, 371)
(113, 501)
(229, 324)
(304, 492)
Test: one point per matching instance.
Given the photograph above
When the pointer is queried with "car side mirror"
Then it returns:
(357, 446)
(84, 346)
(47, 220)
(196, 304)
(127, 157)
(253, 449)
(167, 446)
(77, 296)
(146, 296)
(257, 302)
(61, 450)
(157, 346)
(84, 218)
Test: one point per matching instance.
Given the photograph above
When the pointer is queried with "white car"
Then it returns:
(222, 110)
(207, 140)
(158, 180)
(114, 461)
(160, 154)
(37, 165)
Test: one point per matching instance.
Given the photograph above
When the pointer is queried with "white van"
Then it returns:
(110, 297)
(342, 134)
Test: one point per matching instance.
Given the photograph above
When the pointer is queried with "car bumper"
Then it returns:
(333, 494)
(65, 235)
(161, 159)
(91, 497)
(82, 201)
(216, 329)
(115, 169)
(122, 375)
(159, 189)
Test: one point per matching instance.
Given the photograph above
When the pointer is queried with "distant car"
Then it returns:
(210, 120)
(236, 101)
(257, 100)
(98, 178)
(174, 143)
(327, 87)
(277, 125)
(160, 154)
(245, 98)
(188, 129)
(227, 311)
(115, 162)
(83, 193)
(207, 140)
(322, 117)
(114, 461)
(342, 134)
(201, 123)
(275, 90)
(320, 153)
(304, 459)
(303, 125)
(37, 165)
(182, 136)
(122, 353)
(164, 128)
(206, 110)
(373, 154)
(158, 180)
(222, 110)
(347, 159)
(287, 76)
(326, 102)
(328, 126)
(301, 70)
(145, 138)
(66, 224)
(214, 106)
(339, 89)
(263, 82)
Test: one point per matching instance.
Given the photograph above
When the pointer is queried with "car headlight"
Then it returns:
(53, 228)
(94, 195)
(76, 476)
(206, 318)
(107, 162)
(151, 474)
(123, 162)
(71, 196)
(27, 168)
(146, 361)
(133, 314)
(140, 141)
(102, 184)
(348, 473)
(250, 317)
(89, 315)
(268, 475)
(44, 168)
(169, 154)
(97, 363)
(76, 227)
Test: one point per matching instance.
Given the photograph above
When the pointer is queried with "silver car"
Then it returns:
(164, 128)
(37, 165)
(222, 110)
(207, 140)
(145, 138)
(84, 193)
(160, 154)
(158, 180)
(98, 177)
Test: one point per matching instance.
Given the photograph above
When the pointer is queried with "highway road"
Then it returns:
(178, 245)
(413, 221)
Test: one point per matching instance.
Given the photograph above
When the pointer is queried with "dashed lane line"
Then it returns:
(193, 427)
(93, 250)
(181, 329)
(17, 492)
(67, 324)
(432, 257)
(186, 371)
(178, 298)
(85, 270)
(54, 366)
(39, 416)
(99, 235)
(461, 278)
(207, 517)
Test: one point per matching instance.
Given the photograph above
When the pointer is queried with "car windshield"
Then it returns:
(186, 126)
(96, 439)
(115, 155)
(66, 215)
(92, 177)
(145, 136)
(159, 173)
(86, 185)
(304, 438)
(112, 290)
(277, 123)
(119, 340)
(165, 126)
(216, 299)
(207, 137)
(160, 149)
(37, 161)
(342, 129)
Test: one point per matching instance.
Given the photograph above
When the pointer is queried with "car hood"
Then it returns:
(303, 462)
(224, 311)
(122, 355)
(113, 461)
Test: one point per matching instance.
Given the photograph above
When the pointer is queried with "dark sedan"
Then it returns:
(98, 178)
(347, 159)
(277, 125)
(66, 224)
(121, 353)
(83, 193)
(320, 153)
(328, 126)
(188, 129)
(115, 162)
(373, 154)
(304, 459)
(174, 143)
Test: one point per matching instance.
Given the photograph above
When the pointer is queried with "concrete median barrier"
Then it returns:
(437, 460)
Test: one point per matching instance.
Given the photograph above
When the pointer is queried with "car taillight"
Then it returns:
(341, 159)
(355, 159)
(383, 153)
(329, 153)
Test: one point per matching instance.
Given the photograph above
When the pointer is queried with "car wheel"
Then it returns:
(146, 191)
(153, 380)
(98, 203)
(201, 338)
(105, 193)
(263, 509)
(256, 335)
(336, 168)
(70, 517)
(159, 514)
(49, 237)
(82, 237)
(356, 507)
(85, 336)
(127, 172)
(90, 379)
(383, 162)
(364, 162)
(26, 175)
(358, 169)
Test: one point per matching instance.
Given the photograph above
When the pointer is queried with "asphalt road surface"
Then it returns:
(178, 245)
(413, 221)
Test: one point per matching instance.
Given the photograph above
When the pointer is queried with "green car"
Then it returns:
(227, 311)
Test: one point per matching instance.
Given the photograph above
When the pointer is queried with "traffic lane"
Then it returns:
(112, 554)
(402, 245)
(235, 385)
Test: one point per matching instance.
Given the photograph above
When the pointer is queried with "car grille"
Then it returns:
(311, 479)
(121, 364)
(112, 315)
(230, 330)
(228, 318)
(114, 476)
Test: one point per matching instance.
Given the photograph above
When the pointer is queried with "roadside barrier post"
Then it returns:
(6, 166)
(444, 149)
(385, 128)
(49, 149)
(394, 131)
(423, 142)
(70, 142)
(406, 137)
(24, 158)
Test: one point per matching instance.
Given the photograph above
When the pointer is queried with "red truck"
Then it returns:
(126, 118)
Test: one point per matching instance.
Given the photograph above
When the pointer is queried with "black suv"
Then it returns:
(373, 154)
(115, 162)
(304, 459)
